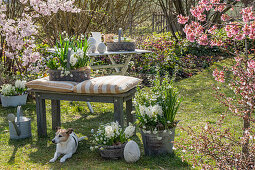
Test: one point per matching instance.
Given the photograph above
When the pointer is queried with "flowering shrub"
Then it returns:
(18, 89)
(19, 29)
(111, 134)
(157, 110)
(180, 59)
(229, 150)
(78, 57)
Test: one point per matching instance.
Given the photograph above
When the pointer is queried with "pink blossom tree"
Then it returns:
(216, 142)
(18, 32)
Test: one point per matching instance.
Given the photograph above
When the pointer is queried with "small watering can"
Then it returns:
(20, 126)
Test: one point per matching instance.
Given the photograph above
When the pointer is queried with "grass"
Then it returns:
(198, 107)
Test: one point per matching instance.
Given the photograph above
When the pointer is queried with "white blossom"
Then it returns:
(129, 131)
(7, 89)
(20, 84)
(109, 131)
(73, 60)
(80, 53)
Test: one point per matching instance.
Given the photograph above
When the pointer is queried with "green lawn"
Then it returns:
(198, 107)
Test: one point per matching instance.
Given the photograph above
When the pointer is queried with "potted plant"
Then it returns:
(111, 139)
(155, 113)
(14, 95)
(69, 61)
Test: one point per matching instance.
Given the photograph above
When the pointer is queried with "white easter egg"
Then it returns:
(92, 41)
(92, 48)
(131, 152)
(101, 48)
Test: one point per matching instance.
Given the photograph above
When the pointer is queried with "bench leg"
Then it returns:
(118, 111)
(55, 111)
(129, 107)
(41, 116)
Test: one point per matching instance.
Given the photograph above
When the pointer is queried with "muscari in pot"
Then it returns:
(13, 101)
(113, 152)
(153, 146)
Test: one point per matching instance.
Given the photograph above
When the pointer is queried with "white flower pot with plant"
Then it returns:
(69, 61)
(14, 95)
(155, 113)
(110, 139)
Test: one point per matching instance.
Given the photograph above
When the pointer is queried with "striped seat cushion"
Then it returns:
(107, 85)
(45, 84)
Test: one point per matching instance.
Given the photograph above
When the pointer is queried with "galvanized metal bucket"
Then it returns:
(23, 124)
(13, 101)
(160, 143)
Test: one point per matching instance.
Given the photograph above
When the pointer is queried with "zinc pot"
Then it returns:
(113, 152)
(121, 46)
(74, 75)
(160, 143)
(13, 101)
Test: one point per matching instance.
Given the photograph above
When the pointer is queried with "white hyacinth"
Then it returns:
(73, 59)
(115, 127)
(157, 110)
(20, 84)
(80, 53)
(7, 89)
(109, 131)
(129, 131)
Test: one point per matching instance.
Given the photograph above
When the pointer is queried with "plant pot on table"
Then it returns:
(112, 152)
(13, 101)
(121, 46)
(78, 75)
(160, 143)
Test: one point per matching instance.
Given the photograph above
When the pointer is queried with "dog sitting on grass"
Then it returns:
(67, 144)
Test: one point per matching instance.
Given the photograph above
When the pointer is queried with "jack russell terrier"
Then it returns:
(67, 144)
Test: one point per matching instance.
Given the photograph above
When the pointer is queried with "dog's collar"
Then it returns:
(76, 143)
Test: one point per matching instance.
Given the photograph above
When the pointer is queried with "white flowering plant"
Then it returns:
(111, 134)
(157, 108)
(14, 90)
(78, 46)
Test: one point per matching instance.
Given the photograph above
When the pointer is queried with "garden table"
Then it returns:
(123, 66)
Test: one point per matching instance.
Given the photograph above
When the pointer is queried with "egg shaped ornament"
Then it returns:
(101, 48)
(92, 48)
(131, 152)
(92, 41)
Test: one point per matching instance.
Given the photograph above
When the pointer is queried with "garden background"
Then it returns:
(29, 27)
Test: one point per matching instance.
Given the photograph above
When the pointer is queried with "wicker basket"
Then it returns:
(153, 146)
(113, 152)
(121, 46)
(75, 75)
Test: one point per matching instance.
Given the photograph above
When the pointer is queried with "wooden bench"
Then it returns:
(55, 97)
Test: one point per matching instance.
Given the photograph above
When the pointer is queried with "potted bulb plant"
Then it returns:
(111, 139)
(155, 113)
(14, 95)
(69, 61)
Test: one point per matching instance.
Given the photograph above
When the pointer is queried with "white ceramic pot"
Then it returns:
(13, 101)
